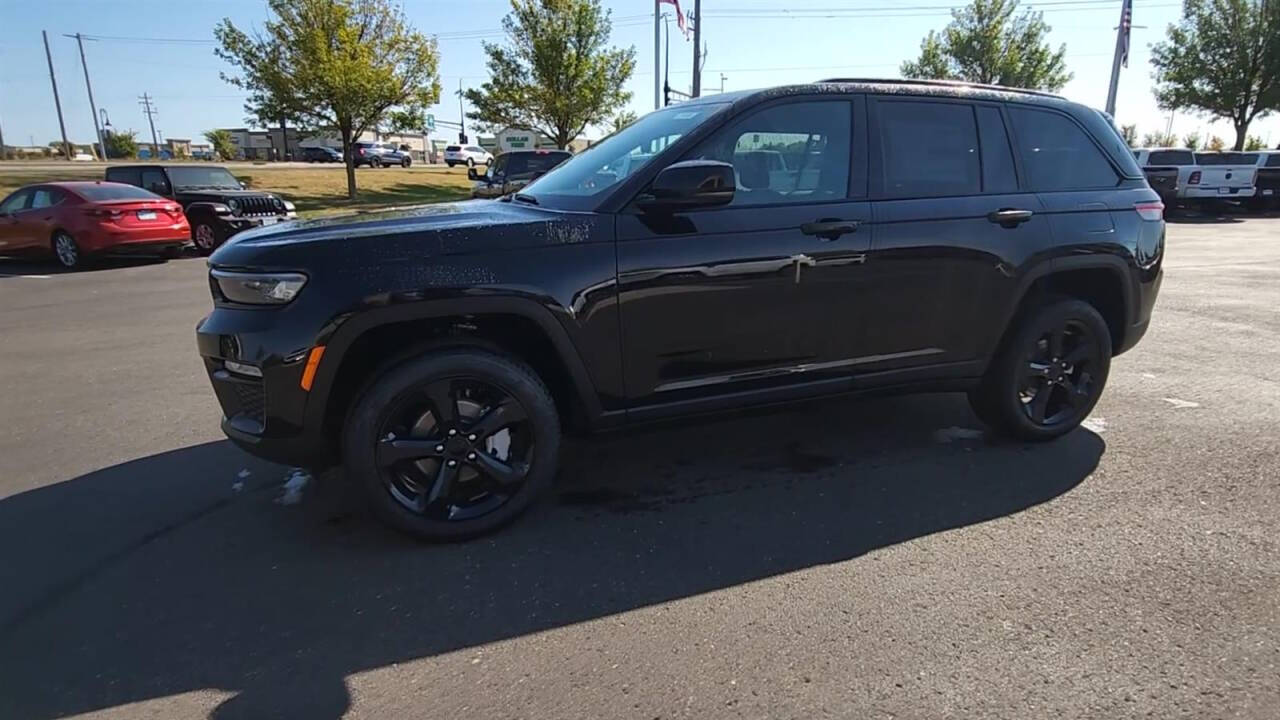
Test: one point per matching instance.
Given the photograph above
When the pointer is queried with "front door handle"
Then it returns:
(829, 229)
(1009, 217)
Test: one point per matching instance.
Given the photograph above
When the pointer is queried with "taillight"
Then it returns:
(1150, 210)
(1194, 179)
(103, 213)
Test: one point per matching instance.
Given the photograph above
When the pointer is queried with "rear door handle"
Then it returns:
(829, 229)
(1009, 217)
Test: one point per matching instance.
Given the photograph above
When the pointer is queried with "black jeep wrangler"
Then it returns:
(740, 249)
(217, 205)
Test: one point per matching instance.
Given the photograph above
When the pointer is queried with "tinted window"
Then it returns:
(998, 175)
(1273, 160)
(1171, 157)
(112, 191)
(155, 181)
(15, 202)
(1057, 154)
(1227, 158)
(130, 176)
(451, 148)
(202, 177)
(792, 153)
(499, 165)
(45, 197)
(928, 149)
(542, 162)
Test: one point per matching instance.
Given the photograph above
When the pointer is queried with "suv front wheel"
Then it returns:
(1050, 373)
(454, 443)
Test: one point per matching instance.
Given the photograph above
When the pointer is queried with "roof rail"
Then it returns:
(940, 83)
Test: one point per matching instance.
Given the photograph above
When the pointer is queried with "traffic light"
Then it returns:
(462, 137)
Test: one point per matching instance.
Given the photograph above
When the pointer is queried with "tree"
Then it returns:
(1254, 143)
(555, 74)
(1191, 141)
(986, 43)
(1129, 133)
(223, 148)
(121, 144)
(622, 120)
(1159, 139)
(330, 65)
(1216, 144)
(1223, 60)
(412, 120)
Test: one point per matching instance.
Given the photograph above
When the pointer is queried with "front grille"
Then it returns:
(257, 205)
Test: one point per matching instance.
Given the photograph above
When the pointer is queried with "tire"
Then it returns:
(471, 162)
(449, 164)
(395, 418)
(206, 236)
(66, 251)
(1048, 374)
(406, 162)
(375, 162)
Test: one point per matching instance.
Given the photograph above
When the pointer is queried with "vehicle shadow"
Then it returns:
(155, 577)
(14, 267)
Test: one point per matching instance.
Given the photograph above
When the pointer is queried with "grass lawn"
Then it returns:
(319, 190)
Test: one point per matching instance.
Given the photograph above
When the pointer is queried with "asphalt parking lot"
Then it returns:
(866, 559)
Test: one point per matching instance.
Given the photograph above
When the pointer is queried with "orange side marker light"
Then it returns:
(313, 362)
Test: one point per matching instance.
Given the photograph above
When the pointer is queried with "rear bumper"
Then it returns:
(1194, 192)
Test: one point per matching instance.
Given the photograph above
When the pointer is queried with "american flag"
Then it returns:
(679, 16)
(1126, 23)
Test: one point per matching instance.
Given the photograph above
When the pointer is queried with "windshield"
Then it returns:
(580, 181)
(214, 177)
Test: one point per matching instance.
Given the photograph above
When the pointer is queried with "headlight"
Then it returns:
(258, 288)
(234, 205)
(288, 206)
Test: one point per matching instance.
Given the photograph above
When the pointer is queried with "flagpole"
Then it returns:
(657, 49)
(1121, 30)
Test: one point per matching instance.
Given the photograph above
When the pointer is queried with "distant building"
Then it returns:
(263, 144)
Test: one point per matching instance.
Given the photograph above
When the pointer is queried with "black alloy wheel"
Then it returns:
(206, 237)
(471, 162)
(375, 162)
(406, 162)
(1049, 373)
(454, 443)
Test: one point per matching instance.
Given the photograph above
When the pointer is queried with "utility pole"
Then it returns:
(145, 102)
(66, 146)
(102, 142)
(1121, 55)
(657, 59)
(462, 115)
(723, 77)
(697, 48)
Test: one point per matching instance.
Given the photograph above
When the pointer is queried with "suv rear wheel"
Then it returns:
(206, 237)
(454, 443)
(406, 162)
(1049, 375)
(375, 162)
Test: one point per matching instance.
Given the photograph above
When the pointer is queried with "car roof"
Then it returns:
(537, 151)
(890, 86)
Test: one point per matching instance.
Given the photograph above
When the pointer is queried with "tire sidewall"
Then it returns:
(213, 231)
(998, 398)
(79, 258)
(380, 395)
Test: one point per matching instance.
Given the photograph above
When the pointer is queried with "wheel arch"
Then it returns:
(368, 344)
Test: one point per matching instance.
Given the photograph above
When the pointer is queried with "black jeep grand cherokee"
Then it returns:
(216, 204)
(740, 249)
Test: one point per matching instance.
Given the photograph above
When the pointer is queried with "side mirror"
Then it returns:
(688, 185)
(244, 185)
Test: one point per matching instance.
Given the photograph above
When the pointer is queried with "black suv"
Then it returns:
(216, 204)
(511, 171)
(912, 236)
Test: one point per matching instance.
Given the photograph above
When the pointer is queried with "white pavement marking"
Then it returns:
(1095, 424)
(1182, 403)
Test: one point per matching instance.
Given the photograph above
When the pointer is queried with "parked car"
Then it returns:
(76, 221)
(1167, 171)
(1221, 176)
(321, 154)
(513, 170)
(216, 204)
(439, 353)
(1267, 182)
(380, 154)
(469, 155)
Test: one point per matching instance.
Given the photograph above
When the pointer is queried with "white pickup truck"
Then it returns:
(1222, 176)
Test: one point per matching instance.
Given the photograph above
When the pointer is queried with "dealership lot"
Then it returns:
(864, 559)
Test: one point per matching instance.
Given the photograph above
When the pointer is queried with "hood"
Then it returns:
(406, 234)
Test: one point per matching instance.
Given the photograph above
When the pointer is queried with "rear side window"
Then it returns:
(111, 191)
(1171, 157)
(1273, 160)
(45, 197)
(1057, 154)
(929, 149)
(998, 175)
(129, 176)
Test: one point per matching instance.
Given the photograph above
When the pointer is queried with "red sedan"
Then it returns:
(76, 220)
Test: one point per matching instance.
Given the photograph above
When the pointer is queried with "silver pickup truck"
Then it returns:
(1187, 177)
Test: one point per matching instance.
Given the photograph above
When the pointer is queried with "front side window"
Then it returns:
(792, 153)
(15, 202)
(929, 149)
(155, 181)
(198, 177)
(581, 181)
(1057, 154)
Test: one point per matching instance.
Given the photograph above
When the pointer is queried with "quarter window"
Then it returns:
(929, 149)
(793, 153)
(15, 202)
(1057, 154)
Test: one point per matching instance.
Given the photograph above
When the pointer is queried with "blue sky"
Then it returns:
(754, 43)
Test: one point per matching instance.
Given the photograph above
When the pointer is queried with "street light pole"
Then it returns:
(657, 59)
(66, 146)
(697, 48)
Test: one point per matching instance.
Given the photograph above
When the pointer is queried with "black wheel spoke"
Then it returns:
(1037, 369)
(502, 472)
(444, 406)
(507, 412)
(392, 451)
(443, 483)
(1040, 403)
(1077, 355)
